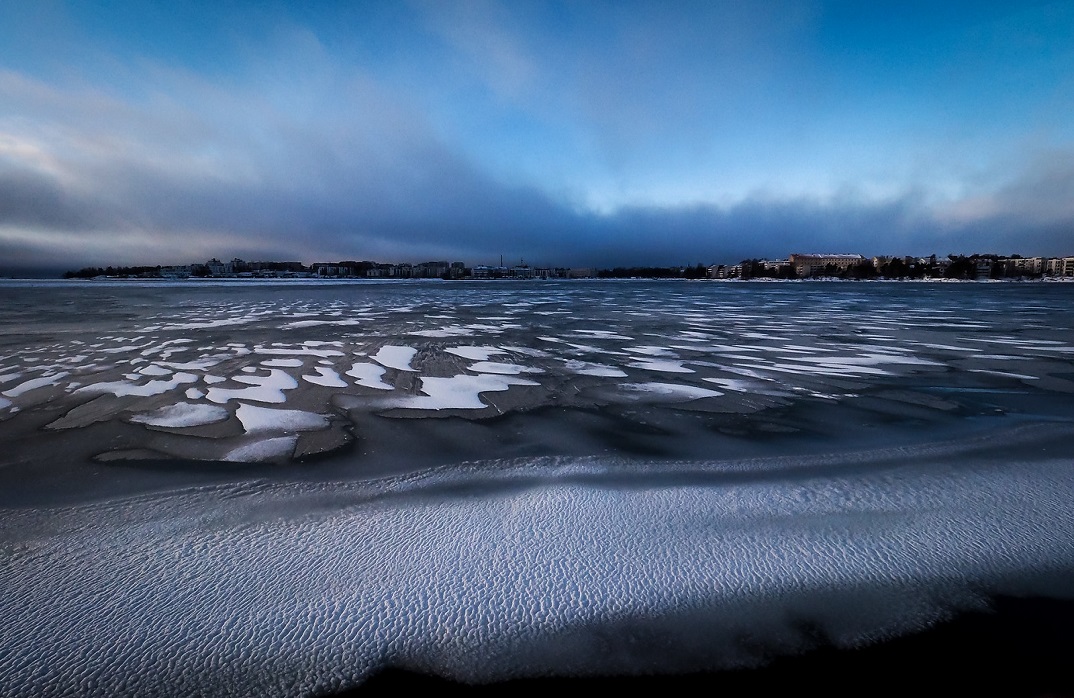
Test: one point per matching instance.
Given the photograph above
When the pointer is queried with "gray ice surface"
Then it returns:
(277, 489)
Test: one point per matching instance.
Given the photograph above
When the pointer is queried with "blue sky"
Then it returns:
(561, 133)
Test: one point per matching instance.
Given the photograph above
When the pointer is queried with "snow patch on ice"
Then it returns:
(460, 392)
(585, 368)
(154, 370)
(671, 390)
(368, 375)
(651, 351)
(259, 420)
(279, 448)
(183, 414)
(282, 363)
(35, 383)
(475, 353)
(502, 368)
(264, 388)
(326, 377)
(395, 357)
(124, 388)
(665, 366)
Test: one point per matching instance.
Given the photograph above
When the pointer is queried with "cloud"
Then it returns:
(297, 154)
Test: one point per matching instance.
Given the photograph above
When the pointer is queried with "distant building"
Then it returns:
(718, 271)
(806, 265)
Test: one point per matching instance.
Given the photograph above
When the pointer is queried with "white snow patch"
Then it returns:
(1005, 374)
(475, 353)
(502, 368)
(452, 331)
(527, 351)
(259, 420)
(740, 385)
(183, 414)
(282, 363)
(269, 449)
(651, 351)
(460, 392)
(123, 388)
(304, 351)
(601, 334)
(35, 383)
(194, 394)
(265, 388)
(316, 323)
(671, 390)
(368, 375)
(395, 357)
(585, 368)
(154, 370)
(665, 366)
(201, 364)
(326, 377)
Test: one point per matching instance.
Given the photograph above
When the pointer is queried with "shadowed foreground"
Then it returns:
(1022, 647)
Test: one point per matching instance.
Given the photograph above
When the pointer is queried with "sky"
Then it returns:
(581, 134)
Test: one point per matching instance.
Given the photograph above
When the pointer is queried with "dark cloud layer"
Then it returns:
(434, 205)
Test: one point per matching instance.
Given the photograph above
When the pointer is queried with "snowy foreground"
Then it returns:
(537, 568)
(279, 491)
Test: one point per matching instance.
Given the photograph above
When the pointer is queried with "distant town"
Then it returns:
(795, 266)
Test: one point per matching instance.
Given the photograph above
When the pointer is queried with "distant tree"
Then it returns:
(895, 268)
(699, 271)
(961, 267)
(862, 270)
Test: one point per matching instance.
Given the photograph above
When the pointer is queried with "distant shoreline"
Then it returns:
(378, 280)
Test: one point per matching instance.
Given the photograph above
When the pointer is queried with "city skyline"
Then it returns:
(581, 134)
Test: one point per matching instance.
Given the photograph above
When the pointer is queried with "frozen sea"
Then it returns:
(284, 488)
